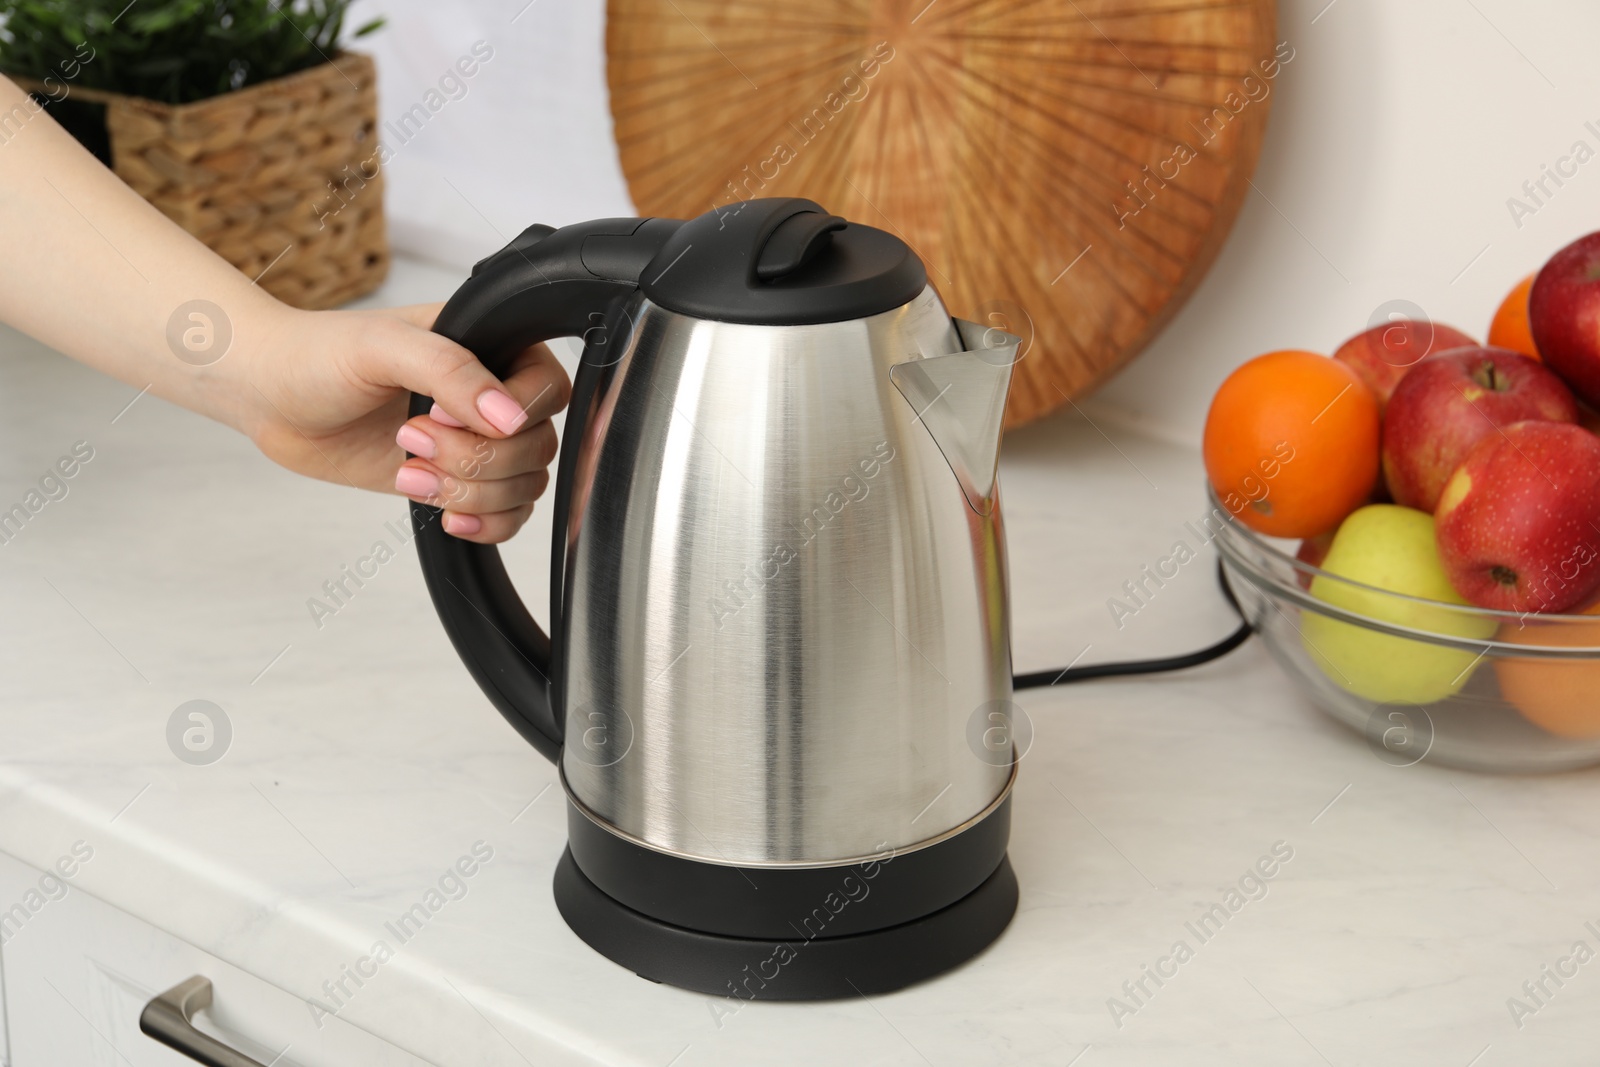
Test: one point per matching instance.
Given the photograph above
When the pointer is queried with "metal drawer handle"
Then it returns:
(166, 1018)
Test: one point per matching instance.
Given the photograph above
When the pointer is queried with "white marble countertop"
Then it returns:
(364, 762)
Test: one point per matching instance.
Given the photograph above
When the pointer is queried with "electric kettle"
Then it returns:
(777, 678)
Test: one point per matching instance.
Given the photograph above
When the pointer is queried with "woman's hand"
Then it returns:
(93, 270)
(327, 391)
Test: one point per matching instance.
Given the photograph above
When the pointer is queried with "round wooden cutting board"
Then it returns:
(1067, 169)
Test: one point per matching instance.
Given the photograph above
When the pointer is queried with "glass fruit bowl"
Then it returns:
(1420, 679)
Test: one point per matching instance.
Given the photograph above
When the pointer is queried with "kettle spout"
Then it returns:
(961, 399)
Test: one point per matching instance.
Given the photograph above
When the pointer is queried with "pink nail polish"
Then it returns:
(462, 525)
(416, 442)
(411, 481)
(444, 418)
(503, 413)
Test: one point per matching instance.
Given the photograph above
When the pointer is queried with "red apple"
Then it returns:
(1313, 550)
(1564, 315)
(1383, 354)
(1518, 524)
(1446, 403)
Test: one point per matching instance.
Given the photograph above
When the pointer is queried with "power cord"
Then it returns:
(1069, 675)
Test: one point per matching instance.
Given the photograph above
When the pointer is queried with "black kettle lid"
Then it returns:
(781, 261)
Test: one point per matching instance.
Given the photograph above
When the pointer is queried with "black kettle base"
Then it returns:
(820, 968)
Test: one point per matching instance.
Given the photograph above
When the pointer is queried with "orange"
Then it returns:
(1291, 443)
(1510, 326)
(1562, 696)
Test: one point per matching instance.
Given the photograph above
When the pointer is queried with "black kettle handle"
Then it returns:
(545, 284)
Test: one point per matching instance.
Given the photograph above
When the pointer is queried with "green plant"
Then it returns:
(170, 50)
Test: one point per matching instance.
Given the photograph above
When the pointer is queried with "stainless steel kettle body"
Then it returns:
(783, 613)
(777, 675)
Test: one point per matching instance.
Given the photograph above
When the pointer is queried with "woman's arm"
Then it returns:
(91, 269)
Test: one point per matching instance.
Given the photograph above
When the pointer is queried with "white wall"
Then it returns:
(530, 139)
(1398, 133)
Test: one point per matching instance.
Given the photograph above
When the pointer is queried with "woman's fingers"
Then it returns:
(482, 454)
(427, 484)
(538, 382)
(464, 454)
(397, 354)
(535, 379)
(488, 529)
(342, 376)
(487, 487)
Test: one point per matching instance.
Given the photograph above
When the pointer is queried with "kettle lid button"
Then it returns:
(794, 242)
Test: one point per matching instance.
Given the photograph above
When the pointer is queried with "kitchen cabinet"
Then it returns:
(78, 973)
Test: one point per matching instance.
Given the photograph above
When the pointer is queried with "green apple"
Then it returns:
(1390, 548)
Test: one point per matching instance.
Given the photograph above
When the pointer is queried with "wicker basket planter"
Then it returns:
(281, 178)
